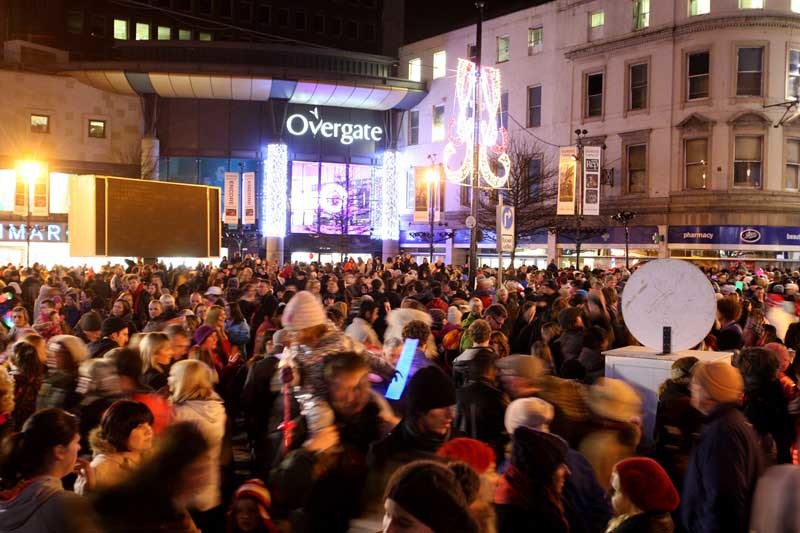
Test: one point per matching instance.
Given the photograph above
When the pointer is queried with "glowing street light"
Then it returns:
(30, 171)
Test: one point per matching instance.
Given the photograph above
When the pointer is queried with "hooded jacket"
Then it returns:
(37, 506)
(209, 417)
(110, 465)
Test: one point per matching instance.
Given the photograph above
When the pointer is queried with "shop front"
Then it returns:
(733, 246)
(605, 247)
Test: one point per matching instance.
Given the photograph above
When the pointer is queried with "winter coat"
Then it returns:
(155, 379)
(111, 466)
(514, 519)
(677, 425)
(594, 362)
(361, 331)
(480, 408)
(462, 362)
(570, 344)
(646, 523)
(26, 390)
(40, 505)
(99, 347)
(585, 502)
(239, 335)
(209, 417)
(730, 337)
(722, 475)
(58, 390)
(766, 408)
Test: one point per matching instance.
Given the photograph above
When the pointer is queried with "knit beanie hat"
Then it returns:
(303, 311)
(90, 321)
(523, 366)
(533, 413)
(720, 380)
(256, 490)
(538, 454)
(615, 400)
(647, 485)
(475, 453)
(429, 388)
(112, 325)
(201, 334)
(431, 493)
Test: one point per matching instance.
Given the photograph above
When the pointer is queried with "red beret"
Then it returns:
(475, 453)
(647, 485)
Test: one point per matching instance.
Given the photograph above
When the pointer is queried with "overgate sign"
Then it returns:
(505, 228)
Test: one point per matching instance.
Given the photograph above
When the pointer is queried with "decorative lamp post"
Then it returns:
(624, 218)
(30, 171)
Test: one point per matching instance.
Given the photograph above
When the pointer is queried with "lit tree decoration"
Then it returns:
(273, 206)
(493, 137)
(385, 191)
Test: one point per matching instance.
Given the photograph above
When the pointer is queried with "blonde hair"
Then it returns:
(212, 315)
(190, 380)
(6, 391)
(151, 344)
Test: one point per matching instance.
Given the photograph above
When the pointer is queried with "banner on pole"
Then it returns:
(231, 206)
(591, 179)
(40, 196)
(249, 198)
(423, 188)
(21, 197)
(567, 166)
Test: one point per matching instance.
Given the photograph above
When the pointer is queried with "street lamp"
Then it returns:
(624, 218)
(30, 171)
(433, 183)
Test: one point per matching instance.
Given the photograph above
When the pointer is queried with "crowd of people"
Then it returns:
(370, 396)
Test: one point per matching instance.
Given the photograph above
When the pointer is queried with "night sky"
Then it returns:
(425, 18)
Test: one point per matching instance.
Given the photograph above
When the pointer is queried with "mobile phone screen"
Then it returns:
(398, 384)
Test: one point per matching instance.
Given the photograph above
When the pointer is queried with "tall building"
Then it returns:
(694, 103)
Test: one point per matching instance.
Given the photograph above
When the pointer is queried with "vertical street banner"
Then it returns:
(21, 197)
(249, 198)
(591, 179)
(420, 194)
(567, 166)
(40, 196)
(231, 204)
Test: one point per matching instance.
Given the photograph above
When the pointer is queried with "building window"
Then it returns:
(597, 21)
(97, 26)
(164, 33)
(75, 22)
(184, 35)
(751, 4)
(638, 87)
(415, 69)
(120, 29)
(413, 127)
(793, 75)
(142, 31)
(748, 75)
(225, 8)
(246, 11)
(503, 48)
(698, 74)
(300, 21)
(535, 40)
(504, 110)
(696, 162)
(637, 167)
(97, 129)
(534, 106)
(439, 64)
(535, 180)
(594, 95)
(319, 23)
(351, 29)
(796, 6)
(264, 15)
(641, 14)
(283, 17)
(792, 179)
(369, 32)
(699, 7)
(437, 123)
(335, 26)
(747, 161)
(204, 36)
(472, 52)
(203, 6)
(40, 124)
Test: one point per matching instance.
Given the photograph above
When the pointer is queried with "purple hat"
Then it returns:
(201, 334)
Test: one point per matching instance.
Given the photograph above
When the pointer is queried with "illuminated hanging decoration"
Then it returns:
(493, 137)
(385, 192)
(273, 207)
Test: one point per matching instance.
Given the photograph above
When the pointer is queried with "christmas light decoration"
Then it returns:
(273, 206)
(385, 191)
(493, 137)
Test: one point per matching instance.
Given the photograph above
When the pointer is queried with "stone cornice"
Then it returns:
(705, 24)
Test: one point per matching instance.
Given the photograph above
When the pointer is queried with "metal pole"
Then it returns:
(473, 236)
(28, 233)
(430, 219)
(627, 240)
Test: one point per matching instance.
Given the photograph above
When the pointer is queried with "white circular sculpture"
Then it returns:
(669, 292)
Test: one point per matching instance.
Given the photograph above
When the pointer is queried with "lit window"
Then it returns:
(749, 67)
(415, 69)
(638, 87)
(437, 123)
(793, 75)
(75, 22)
(164, 33)
(413, 127)
(594, 95)
(597, 19)
(792, 179)
(40, 124)
(641, 14)
(751, 4)
(503, 48)
(439, 64)
(97, 129)
(796, 6)
(699, 7)
(142, 31)
(696, 162)
(534, 106)
(185, 35)
(637, 167)
(747, 161)
(120, 29)
(698, 75)
(203, 36)
(535, 40)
